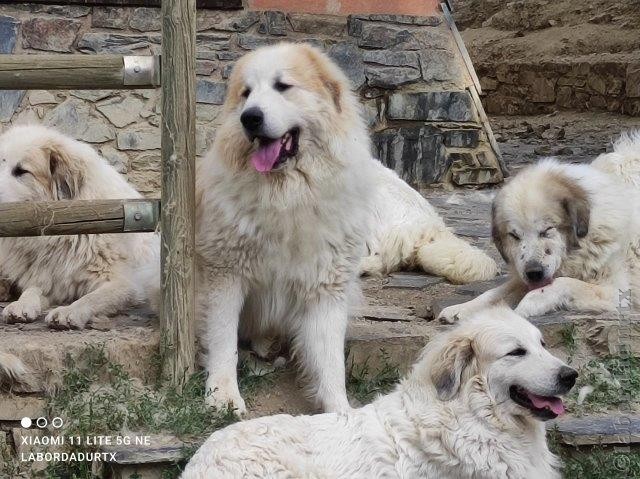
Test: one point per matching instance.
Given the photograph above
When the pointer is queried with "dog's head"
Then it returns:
(503, 357)
(537, 218)
(285, 105)
(38, 164)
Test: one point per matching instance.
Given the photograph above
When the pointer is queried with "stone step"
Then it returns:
(618, 430)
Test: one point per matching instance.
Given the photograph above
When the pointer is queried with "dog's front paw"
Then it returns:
(21, 312)
(67, 317)
(451, 314)
(223, 397)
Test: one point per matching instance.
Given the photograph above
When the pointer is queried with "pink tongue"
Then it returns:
(266, 156)
(555, 404)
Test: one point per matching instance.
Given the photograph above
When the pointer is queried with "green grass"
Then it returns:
(365, 383)
(98, 397)
(616, 383)
(568, 339)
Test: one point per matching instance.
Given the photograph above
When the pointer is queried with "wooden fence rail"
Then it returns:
(78, 217)
(60, 72)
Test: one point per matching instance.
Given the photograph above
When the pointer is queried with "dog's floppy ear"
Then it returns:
(578, 211)
(66, 173)
(329, 78)
(449, 366)
(496, 232)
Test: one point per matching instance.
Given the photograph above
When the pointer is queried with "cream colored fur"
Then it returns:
(278, 253)
(70, 278)
(408, 233)
(581, 224)
(477, 432)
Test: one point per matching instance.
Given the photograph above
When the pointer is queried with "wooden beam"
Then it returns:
(204, 4)
(178, 188)
(78, 217)
(26, 72)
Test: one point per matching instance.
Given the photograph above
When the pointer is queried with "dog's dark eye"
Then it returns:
(545, 233)
(281, 86)
(514, 236)
(18, 171)
(517, 352)
(246, 92)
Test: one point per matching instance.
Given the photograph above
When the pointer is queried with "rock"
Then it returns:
(213, 41)
(211, 92)
(205, 67)
(273, 23)
(227, 56)
(8, 33)
(99, 42)
(543, 150)
(206, 113)
(251, 42)
(226, 21)
(146, 19)
(541, 88)
(121, 111)
(116, 159)
(417, 154)
(488, 83)
(431, 106)
(431, 21)
(91, 95)
(147, 162)
(390, 77)
(553, 134)
(74, 118)
(632, 83)
(349, 58)
(144, 138)
(111, 17)
(475, 176)
(392, 59)
(383, 36)
(462, 138)
(331, 25)
(438, 65)
(14, 408)
(462, 159)
(67, 11)
(226, 71)
(51, 34)
(9, 102)
(39, 97)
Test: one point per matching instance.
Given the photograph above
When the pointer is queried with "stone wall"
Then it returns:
(526, 89)
(406, 69)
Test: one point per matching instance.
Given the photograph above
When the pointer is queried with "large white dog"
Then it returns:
(471, 408)
(80, 276)
(571, 236)
(282, 213)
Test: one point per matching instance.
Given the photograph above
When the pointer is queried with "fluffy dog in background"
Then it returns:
(282, 216)
(471, 408)
(96, 274)
(570, 234)
(408, 233)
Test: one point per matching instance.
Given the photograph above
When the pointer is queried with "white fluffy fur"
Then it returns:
(12, 371)
(278, 253)
(597, 271)
(477, 432)
(409, 233)
(80, 276)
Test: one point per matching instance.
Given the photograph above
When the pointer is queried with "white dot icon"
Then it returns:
(25, 422)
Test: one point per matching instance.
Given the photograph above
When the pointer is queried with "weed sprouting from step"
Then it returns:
(615, 381)
(365, 383)
(568, 339)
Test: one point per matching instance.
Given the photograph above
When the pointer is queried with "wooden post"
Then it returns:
(178, 188)
(78, 217)
(25, 72)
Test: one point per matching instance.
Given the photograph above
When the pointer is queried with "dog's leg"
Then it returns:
(108, 298)
(222, 307)
(319, 343)
(568, 293)
(27, 308)
(508, 293)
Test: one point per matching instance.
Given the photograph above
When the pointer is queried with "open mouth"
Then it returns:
(539, 284)
(542, 407)
(273, 153)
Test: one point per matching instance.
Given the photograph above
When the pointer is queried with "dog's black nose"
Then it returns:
(252, 119)
(534, 273)
(567, 377)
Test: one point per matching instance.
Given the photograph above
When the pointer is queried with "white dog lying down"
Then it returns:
(472, 407)
(97, 274)
(570, 234)
(409, 233)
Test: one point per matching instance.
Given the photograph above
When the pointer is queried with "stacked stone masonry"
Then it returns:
(407, 70)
